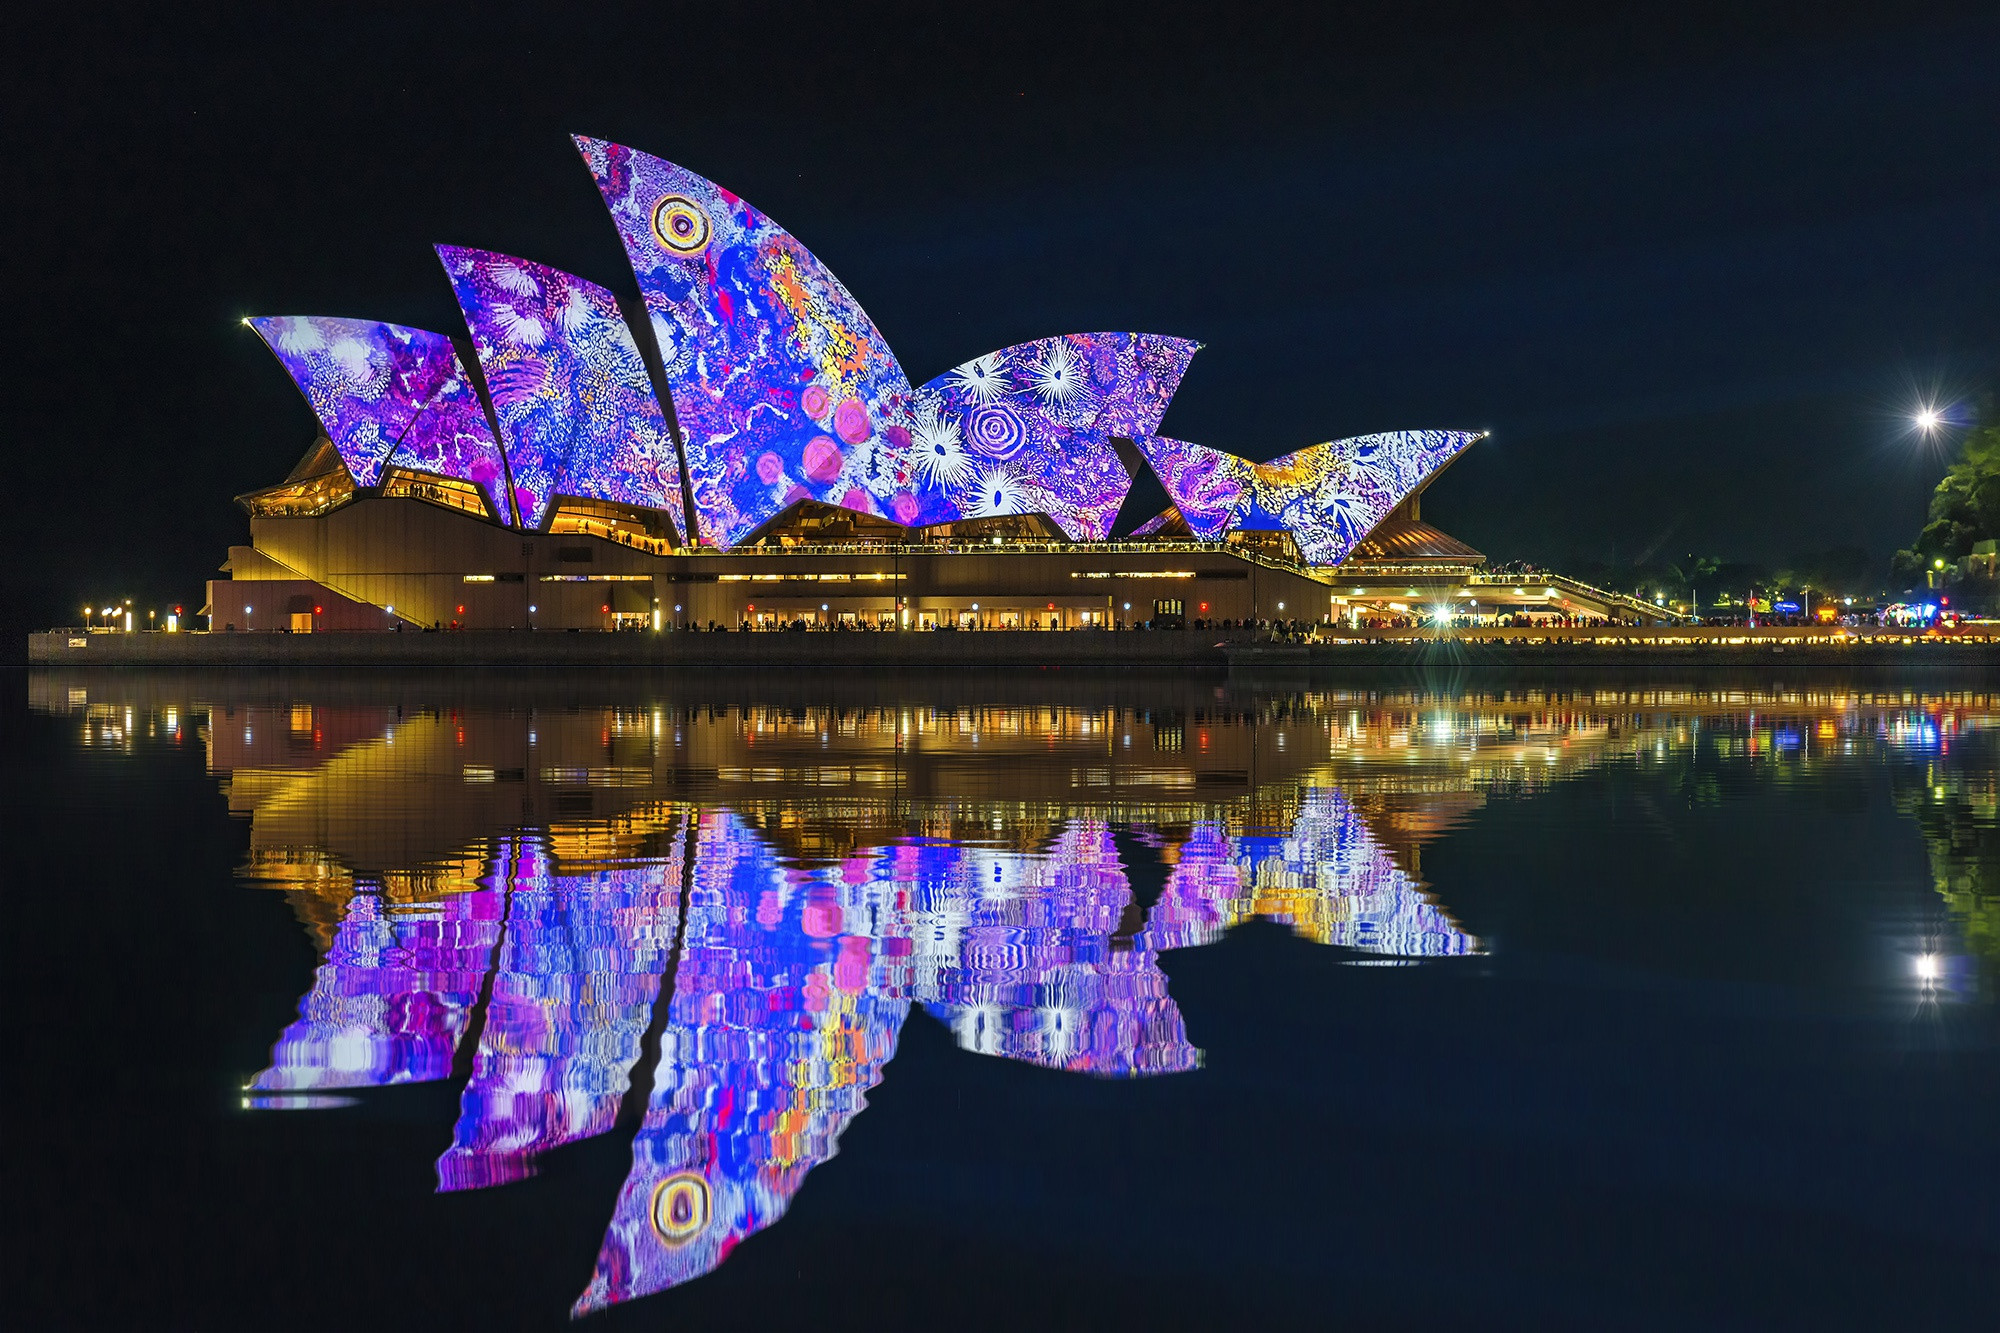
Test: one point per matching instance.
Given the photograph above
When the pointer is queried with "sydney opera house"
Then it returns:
(751, 454)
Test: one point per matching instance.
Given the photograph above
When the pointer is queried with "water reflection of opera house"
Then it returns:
(750, 899)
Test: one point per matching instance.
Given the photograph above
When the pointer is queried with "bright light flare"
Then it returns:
(1928, 419)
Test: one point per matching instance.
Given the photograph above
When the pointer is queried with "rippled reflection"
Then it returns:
(708, 920)
(393, 996)
(572, 992)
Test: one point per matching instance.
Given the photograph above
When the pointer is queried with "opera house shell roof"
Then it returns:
(779, 389)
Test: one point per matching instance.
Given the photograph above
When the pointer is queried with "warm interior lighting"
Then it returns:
(1132, 574)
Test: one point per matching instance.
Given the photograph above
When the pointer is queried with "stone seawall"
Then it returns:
(1433, 655)
(1155, 650)
(513, 649)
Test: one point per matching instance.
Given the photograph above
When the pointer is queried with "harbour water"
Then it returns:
(1020, 1001)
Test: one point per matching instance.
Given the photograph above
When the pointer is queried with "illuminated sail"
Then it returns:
(575, 404)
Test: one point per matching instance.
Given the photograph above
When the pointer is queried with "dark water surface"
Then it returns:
(363, 1002)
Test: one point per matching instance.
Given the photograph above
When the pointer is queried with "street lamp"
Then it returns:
(1928, 419)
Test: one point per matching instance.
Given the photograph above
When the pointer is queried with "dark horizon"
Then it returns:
(1693, 275)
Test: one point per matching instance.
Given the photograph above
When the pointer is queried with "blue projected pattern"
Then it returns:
(1328, 496)
(785, 392)
(786, 988)
(1028, 429)
(366, 380)
(575, 405)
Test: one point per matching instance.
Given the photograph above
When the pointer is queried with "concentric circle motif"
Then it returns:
(821, 460)
(681, 1207)
(851, 423)
(995, 432)
(681, 225)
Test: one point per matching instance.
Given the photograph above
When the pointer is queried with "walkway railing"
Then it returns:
(1010, 546)
(1564, 582)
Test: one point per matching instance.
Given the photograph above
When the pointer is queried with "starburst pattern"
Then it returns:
(937, 449)
(1058, 379)
(995, 492)
(983, 379)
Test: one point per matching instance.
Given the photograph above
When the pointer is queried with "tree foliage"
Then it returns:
(1965, 507)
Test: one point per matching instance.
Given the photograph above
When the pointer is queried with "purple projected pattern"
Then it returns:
(1019, 955)
(576, 408)
(366, 380)
(773, 1040)
(783, 388)
(1328, 496)
(792, 988)
(1327, 878)
(392, 997)
(572, 996)
(1027, 429)
(786, 391)
(1206, 485)
(452, 438)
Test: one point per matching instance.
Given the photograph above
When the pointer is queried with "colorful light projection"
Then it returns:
(1207, 486)
(576, 408)
(794, 983)
(1328, 496)
(1327, 878)
(792, 991)
(452, 438)
(365, 380)
(782, 386)
(786, 391)
(573, 993)
(1028, 429)
(773, 1040)
(392, 997)
(1030, 956)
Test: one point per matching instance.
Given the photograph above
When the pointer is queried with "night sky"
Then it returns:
(1693, 275)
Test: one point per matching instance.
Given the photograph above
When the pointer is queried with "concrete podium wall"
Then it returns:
(911, 651)
(1011, 650)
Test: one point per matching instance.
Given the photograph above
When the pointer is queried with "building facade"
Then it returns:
(747, 453)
